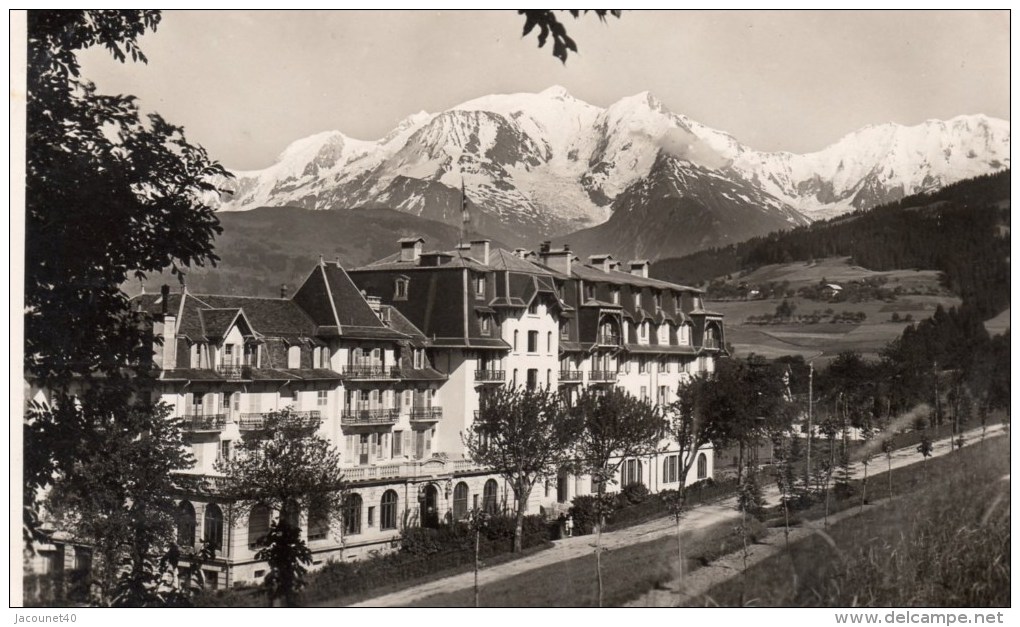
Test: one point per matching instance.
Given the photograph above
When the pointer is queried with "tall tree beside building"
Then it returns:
(110, 195)
(615, 427)
(120, 499)
(283, 471)
(525, 436)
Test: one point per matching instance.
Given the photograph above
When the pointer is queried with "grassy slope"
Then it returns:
(945, 543)
(829, 339)
(632, 570)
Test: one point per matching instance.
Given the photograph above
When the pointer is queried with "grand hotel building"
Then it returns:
(391, 361)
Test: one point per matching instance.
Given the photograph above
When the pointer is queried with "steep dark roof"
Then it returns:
(217, 322)
(276, 317)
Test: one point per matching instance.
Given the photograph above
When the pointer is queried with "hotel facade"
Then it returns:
(391, 362)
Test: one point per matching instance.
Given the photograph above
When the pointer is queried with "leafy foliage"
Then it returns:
(958, 230)
(289, 469)
(524, 435)
(547, 24)
(288, 557)
(614, 426)
(118, 498)
(109, 194)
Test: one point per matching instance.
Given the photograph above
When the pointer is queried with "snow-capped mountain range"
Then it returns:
(548, 164)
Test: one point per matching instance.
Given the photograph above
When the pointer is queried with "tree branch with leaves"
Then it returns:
(525, 436)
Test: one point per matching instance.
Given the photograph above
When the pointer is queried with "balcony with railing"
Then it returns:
(571, 376)
(608, 339)
(262, 420)
(426, 414)
(368, 417)
(234, 371)
(373, 372)
(209, 423)
(490, 376)
(710, 343)
(602, 376)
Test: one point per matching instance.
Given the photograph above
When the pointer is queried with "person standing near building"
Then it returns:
(570, 525)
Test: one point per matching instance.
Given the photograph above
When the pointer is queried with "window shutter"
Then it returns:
(209, 405)
(374, 445)
(407, 442)
(189, 404)
(350, 446)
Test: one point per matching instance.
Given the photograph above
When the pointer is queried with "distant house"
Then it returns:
(832, 290)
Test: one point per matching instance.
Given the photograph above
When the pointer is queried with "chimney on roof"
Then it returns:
(544, 247)
(410, 248)
(520, 252)
(480, 250)
(283, 290)
(164, 293)
(558, 260)
(639, 267)
(602, 262)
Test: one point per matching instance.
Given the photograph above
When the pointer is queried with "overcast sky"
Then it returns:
(246, 84)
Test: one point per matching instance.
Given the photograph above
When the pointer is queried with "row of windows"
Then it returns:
(671, 468)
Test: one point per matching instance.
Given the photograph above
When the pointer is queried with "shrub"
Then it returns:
(583, 510)
(632, 494)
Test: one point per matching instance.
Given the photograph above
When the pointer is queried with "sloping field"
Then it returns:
(828, 338)
(838, 270)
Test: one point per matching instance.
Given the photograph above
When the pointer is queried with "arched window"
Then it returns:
(460, 501)
(258, 524)
(186, 524)
(388, 510)
(489, 496)
(294, 357)
(702, 466)
(516, 335)
(352, 514)
(318, 525)
(212, 527)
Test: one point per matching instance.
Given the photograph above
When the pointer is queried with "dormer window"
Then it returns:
(615, 295)
(564, 330)
(480, 286)
(294, 357)
(324, 357)
(637, 299)
(589, 291)
(643, 330)
(677, 300)
(658, 301)
(533, 307)
(486, 324)
(400, 289)
(419, 359)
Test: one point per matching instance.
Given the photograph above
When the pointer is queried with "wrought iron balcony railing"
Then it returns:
(426, 414)
(571, 376)
(602, 375)
(205, 422)
(261, 420)
(351, 417)
(710, 342)
(371, 372)
(490, 375)
(610, 339)
(234, 371)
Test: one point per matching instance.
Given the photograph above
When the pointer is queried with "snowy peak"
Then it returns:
(548, 163)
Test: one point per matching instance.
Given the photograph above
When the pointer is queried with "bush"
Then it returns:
(584, 512)
(632, 494)
(59, 589)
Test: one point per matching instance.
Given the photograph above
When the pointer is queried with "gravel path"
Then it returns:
(696, 519)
